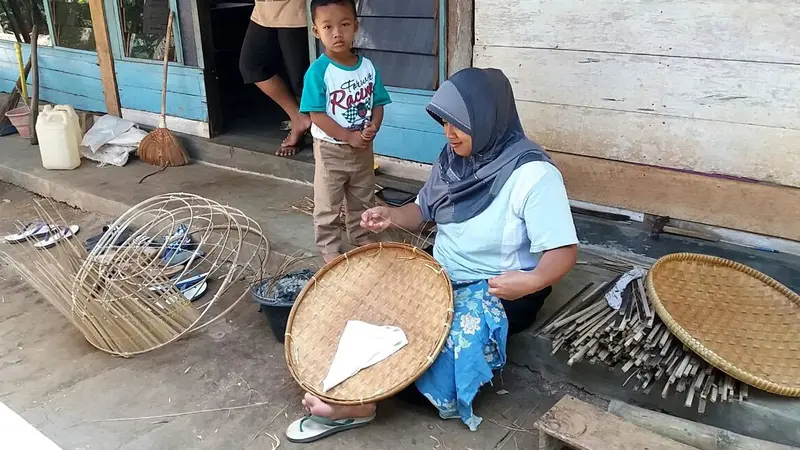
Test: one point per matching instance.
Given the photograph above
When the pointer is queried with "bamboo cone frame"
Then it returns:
(109, 294)
(635, 340)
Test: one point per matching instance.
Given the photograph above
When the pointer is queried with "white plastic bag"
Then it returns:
(115, 155)
(130, 138)
(104, 130)
(120, 144)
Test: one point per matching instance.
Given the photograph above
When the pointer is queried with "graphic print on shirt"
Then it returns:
(353, 100)
(346, 94)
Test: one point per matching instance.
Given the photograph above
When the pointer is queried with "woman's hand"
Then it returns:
(376, 219)
(513, 285)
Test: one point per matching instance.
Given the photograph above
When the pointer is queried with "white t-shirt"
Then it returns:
(530, 214)
(346, 94)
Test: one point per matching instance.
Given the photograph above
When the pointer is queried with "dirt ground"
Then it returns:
(69, 390)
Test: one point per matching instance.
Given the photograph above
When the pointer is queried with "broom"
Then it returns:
(160, 147)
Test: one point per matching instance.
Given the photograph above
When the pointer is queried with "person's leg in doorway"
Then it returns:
(259, 63)
(294, 50)
(293, 43)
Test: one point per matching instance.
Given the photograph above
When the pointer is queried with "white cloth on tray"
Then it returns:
(614, 295)
(362, 345)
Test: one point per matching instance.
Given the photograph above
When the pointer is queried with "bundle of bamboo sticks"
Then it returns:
(634, 339)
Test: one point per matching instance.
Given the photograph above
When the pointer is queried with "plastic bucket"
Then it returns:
(21, 119)
(277, 303)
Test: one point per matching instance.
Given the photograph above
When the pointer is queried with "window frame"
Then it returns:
(441, 57)
(115, 34)
(48, 16)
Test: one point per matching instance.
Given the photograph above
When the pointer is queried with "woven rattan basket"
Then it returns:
(382, 284)
(736, 318)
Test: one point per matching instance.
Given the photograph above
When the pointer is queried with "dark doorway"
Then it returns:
(249, 118)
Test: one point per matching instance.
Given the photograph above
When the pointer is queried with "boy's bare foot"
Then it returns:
(294, 141)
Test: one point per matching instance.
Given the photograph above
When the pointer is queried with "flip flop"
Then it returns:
(191, 280)
(180, 238)
(171, 271)
(191, 294)
(92, 242)
(313, 428)
(57, 236)
(34, 230)
(184, 284)
(195, 292)
(182, 257)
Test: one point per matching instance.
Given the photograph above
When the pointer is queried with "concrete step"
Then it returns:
(298, 167)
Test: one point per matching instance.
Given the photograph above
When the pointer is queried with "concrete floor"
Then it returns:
(55, 380)
(60, 384)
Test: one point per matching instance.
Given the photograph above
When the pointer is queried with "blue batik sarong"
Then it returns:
(475, 348)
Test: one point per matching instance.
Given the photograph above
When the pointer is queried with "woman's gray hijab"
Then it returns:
(479, 102)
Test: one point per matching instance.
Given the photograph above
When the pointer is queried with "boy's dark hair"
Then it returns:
(317, 3)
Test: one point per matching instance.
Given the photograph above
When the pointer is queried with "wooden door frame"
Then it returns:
(460, 34)
(216, 123)
(105, 57)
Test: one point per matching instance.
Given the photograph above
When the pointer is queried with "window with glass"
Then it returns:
(72, 24)
(144, 28)
(17, 18)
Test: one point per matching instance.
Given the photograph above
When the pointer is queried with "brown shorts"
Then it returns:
(268, 51)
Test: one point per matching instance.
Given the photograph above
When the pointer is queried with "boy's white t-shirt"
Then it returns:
(530, 214)
(346, 94)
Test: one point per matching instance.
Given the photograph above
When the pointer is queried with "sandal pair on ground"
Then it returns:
(45, 235)
(175, 253)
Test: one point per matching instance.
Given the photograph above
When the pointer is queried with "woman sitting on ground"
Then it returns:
(505, 235)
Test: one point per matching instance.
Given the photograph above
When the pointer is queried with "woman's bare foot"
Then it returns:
(317, 407)
(330, 257)
(300, 125)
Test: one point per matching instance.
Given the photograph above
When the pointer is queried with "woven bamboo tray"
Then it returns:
(736, 318)
(382, 284)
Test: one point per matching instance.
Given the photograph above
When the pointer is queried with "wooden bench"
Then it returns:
(575, 424)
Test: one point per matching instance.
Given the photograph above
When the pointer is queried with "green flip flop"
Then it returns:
(313, 428)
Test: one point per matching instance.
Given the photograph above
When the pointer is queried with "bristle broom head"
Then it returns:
(161, 148)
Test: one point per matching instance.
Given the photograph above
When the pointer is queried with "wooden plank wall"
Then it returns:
(140, 86)
(401, 39)
(73, 77)
(684, 108)
(709, 86)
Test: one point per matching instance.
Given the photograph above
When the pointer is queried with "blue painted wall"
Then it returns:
(408, 131)
(73, 77)
(66, 76)
(139, 84)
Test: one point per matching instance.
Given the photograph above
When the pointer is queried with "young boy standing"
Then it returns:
(344, 96)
